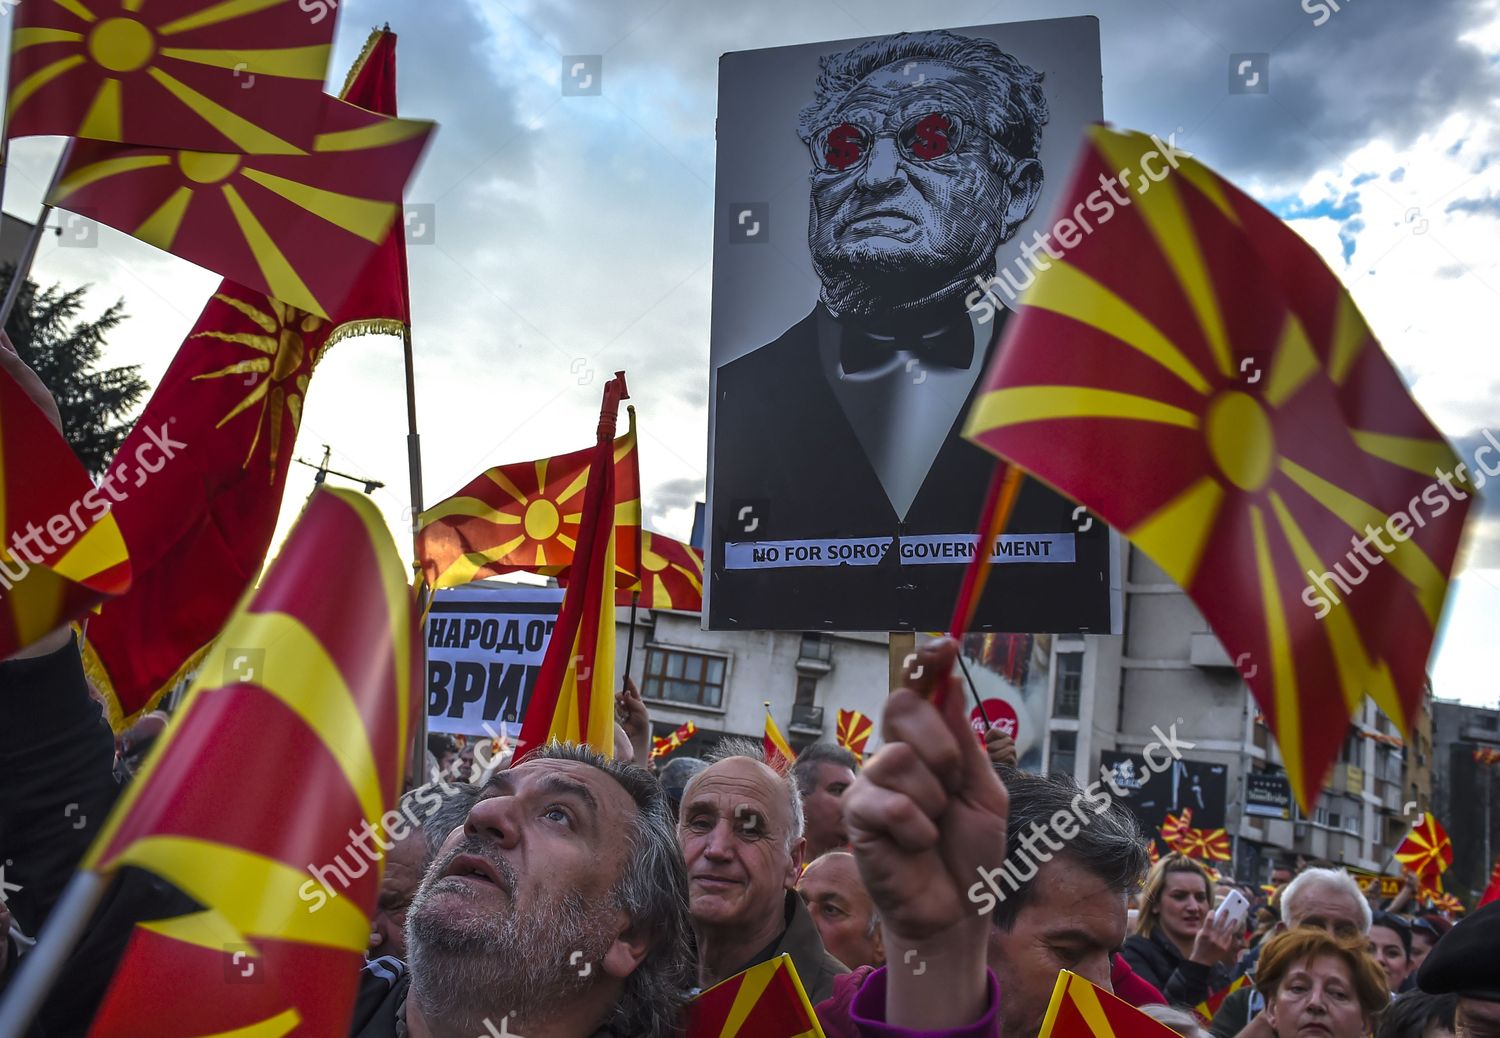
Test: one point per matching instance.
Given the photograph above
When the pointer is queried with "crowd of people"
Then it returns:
(573, 894)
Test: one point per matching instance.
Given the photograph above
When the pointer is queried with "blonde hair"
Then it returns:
(1156, 882)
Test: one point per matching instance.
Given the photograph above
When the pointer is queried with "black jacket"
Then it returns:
(1184, 983)
(783, 444)
(57, 784)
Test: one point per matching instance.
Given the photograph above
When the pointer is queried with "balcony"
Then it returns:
(807, 719)
(815, 656)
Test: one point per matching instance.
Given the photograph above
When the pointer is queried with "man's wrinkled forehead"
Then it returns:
(725, 786)
(1321, 904)
(834, 873)
(911, 86)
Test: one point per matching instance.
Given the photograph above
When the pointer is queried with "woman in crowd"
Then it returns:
(1390, 943)
(1177, 946)
(1417, 1014)
(1318, 985)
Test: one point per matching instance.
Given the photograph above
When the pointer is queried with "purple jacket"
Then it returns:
(856, 1009)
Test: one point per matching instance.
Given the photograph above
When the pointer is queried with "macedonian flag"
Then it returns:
(853, 731)
(671, 575)
(1081, 1010)
(573, 700)
(1191, 371)
(1203, 844)
(1427, 851)
(765, 1001)
(322, 679)
(671, 743)
(300, 228)
(526, 515)
(779, 753)
(230, 406)
(61, 551)
(210, 75)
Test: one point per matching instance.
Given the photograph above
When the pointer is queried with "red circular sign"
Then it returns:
(1000, 713)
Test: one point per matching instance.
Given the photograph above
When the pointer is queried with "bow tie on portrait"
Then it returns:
(866, 352)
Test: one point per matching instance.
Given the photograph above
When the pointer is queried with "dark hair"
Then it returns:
(652, 892)
(1411, 1012)
(1014, 107)
(1109, 843)
(805, 768)
(439, 743)
(1399, 925)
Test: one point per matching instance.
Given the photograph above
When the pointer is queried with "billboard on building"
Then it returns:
(880, 204)
(1268, 795)
(1152, 794)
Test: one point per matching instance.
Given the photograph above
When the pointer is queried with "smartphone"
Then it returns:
(1235, 907)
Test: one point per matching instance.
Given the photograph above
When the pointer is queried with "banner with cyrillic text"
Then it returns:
(484, 650)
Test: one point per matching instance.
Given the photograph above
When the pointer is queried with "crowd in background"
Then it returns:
(572, 894)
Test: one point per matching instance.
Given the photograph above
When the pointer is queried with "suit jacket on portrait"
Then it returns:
(783, 446)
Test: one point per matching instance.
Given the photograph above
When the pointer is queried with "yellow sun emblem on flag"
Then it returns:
(286, 362)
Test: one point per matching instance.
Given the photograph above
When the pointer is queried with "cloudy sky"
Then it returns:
(573, 234)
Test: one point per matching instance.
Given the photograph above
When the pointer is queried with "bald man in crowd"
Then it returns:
(842, 910)
(740, 829)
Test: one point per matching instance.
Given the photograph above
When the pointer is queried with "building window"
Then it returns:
(1489, 722)
(1064, 752)
(1069, 685)
(674, 676)
(807, 691)
(815, 648)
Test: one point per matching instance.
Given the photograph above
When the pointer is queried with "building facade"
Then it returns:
(1113, 696)
(1466, 790)
(721, 680)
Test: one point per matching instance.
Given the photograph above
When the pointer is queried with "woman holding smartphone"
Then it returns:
(1179, 945)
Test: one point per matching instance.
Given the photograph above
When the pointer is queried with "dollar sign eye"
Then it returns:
(843, 146)
(930, 137)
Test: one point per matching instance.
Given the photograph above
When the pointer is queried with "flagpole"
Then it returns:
(635, 597)
(417, 772)
(40, 968)
(23, 264)
(972, 690)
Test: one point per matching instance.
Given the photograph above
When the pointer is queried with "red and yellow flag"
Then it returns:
(573, 700)
(1081, 1010)
(671, 575)
(300, 228)
(1196, 375)
(61, 551)
(1204, 844)
(779, 753)
(765, 1001)
(671, 743)
(322, 679)
(1487, 755)
(853, 731)
(219, 430)
(1492, 890)
(527, 516)
(199, 74)
(1427, 851)
(1173, 826)
(1210, 1005)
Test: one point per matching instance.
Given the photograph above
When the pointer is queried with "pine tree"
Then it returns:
(64, 350)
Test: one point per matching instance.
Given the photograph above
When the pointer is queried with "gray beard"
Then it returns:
(515, 964)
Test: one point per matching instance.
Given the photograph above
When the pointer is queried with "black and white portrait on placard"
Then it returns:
(841, 492)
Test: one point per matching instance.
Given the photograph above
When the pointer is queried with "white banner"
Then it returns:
(484, 650)
(922, 550)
